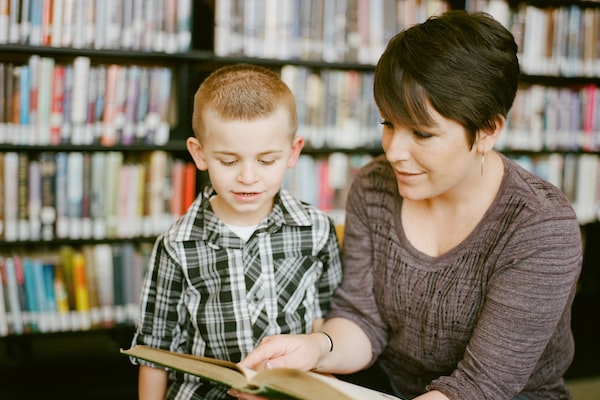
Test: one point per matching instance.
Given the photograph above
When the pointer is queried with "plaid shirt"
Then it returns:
(207, 292)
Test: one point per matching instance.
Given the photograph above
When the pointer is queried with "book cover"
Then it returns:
(276, 383)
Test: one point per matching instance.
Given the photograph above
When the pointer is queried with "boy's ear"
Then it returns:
(197, 152)
(486, 139)
(297, 146)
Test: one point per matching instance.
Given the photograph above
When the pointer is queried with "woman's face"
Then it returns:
(431, 162)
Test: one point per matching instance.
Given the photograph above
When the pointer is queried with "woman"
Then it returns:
(459, 266)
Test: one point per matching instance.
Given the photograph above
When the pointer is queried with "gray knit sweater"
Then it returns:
(487, 320)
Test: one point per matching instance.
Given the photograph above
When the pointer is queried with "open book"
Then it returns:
(276, 383)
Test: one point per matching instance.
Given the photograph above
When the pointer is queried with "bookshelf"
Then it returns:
(329, 71)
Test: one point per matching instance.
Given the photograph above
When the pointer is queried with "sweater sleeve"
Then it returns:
(529, 295)
(354, 300)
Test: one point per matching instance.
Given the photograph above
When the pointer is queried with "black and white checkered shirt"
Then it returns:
(207, 292)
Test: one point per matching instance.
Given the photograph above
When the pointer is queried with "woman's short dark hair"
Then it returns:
(464, 65)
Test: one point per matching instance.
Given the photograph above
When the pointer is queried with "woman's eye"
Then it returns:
(385, 123)
(422, 135)
(228, 163)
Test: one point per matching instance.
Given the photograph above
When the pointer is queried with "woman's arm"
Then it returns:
(351, 350)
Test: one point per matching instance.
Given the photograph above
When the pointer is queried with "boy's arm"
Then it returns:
(152, 383)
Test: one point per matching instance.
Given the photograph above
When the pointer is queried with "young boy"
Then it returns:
(247, 260)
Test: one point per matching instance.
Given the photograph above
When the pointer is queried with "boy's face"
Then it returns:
(246, 162)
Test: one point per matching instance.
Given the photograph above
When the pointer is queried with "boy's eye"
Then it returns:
(266, 162)
(228, 163)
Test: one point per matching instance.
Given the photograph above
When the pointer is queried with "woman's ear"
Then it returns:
(197, 152)
(486, 139)
(297, 146)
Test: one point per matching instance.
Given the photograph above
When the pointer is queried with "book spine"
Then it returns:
(57, 23)
(14, 21)
(11, 196)
(14, 302)
(104, 274)
(61, 195)
(24, 23)
(56, 108)
(97, 203)
(75, 194)
(22, 197)
(32, 292)
(86, 212)
(184, 25)
(82, 299)
(48, 211)
(189, 186)
(92, 285)
(81, 72)
(35, 34)
(45, 100)
(35, 200)
(2, 196)
(5, 315)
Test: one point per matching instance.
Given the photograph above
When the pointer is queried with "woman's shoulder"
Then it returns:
(531, 188)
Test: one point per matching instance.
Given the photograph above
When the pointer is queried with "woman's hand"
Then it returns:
(290, 351)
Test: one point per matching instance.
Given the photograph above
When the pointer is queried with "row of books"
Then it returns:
(553, 39)
(335, 107)
(577, 175)
(43, 102)
(73, 289)
(554, 118)
(99, 195)
(141, 25)
(353, 31)
(324, 180)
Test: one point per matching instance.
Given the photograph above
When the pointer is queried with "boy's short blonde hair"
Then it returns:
(242, 92)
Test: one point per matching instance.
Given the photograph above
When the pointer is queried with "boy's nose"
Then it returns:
(247, 174)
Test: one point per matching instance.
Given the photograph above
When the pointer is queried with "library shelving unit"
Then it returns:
(330, 75)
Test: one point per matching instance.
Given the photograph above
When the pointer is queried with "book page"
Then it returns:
(312, 386)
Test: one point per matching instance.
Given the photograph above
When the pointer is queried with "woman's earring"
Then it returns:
(482, 163)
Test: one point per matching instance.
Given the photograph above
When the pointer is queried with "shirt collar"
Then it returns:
(203, 224)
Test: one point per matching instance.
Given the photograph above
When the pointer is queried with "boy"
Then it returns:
(247, 260)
